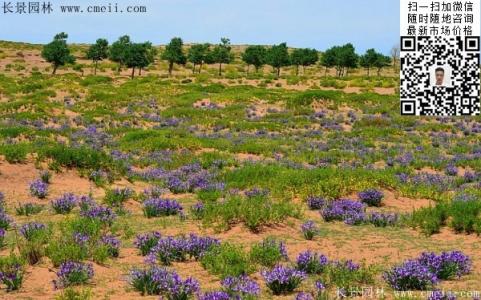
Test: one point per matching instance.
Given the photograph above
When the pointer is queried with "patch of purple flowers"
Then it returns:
(146, 241)
(470, 176)
(304, 296)
(64, 204)
(348, 265)
(154, 192)
(311, 262)
(73, 273)
(215, 295)
(371, 197)
(100, 213)
(451, 170)
(81, 239)
(86, 202)
(309, 230)
(281, 279)
(188, 178)
(156, 207)
(315, 202)
(170, 249)
(39, 189)
(446, 265)
(160, 281)
(411, 275)
(112, 244)
(349, 211)
(240, 287)
(5, 220)
(31, 230)
(12, 276)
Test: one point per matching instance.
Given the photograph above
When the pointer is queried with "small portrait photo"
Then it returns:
(440, 76)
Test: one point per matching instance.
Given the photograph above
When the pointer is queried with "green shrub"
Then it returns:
(209, 195)
(28, 209)
(92, 80)
(61, 250)
(343, 275)
(268, 253)
(33, 246)
(464, 216)
(15, 153)
(73, 294)
(117, 197)
(461, 216)
(429, 219)
(226, 260)
(64, 247)
(254, 212)
(82, 157)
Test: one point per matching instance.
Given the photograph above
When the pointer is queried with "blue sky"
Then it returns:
(301, 23)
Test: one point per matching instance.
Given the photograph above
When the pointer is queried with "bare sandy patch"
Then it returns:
(16, 179)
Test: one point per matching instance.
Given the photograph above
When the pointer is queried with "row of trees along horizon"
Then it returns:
(139, 56)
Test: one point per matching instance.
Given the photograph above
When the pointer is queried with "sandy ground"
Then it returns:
(381, 246)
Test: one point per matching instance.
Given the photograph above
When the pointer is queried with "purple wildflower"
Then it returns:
(189, 178)
(304, 296)
(145, 242)
(5, 220)
(100, 213)
(161, 207)
(411, 275)
(73, 273)
(451, 170)
(112, 244)
(64, 204)
(315, 202)
(31, 230)
(197, 210)
(80, 239)
(309, 230)
(12, 276)
(154, 192)
(39, 189)
(470, 176)
(347, 265)
(319, 286)
(160, 281)
(371, 197)
(86, 202)
(311, 262)
(240, 287)
(447, 265)
(282, 279)
(198, 245)
(215, 295)
(170, 249)
(351, 212)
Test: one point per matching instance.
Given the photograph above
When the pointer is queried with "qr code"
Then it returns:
(440, 76)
